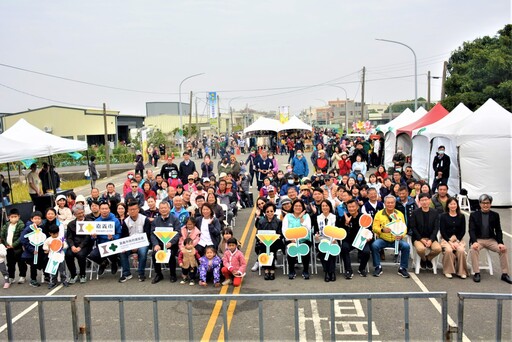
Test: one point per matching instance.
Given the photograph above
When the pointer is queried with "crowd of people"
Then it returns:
(201, 205)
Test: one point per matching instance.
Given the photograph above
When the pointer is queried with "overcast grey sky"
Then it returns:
(239, 45)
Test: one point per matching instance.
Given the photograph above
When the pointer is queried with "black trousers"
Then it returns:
(13, 258)
(363, 255)
(82, 261)
(172, 261)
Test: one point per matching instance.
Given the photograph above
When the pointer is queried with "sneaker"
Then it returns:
(226, 282)
(83, 280)
(349, 275)
(403, 272)
(142, 278)
(21, 280)
(51, 285)
(429, 265)
(192, 282)
(291, 275)
(183, 281)
(173, 279)
(74, 279)
(362, 273)
(125, 278)
(448, 275)
(378, 271)
(255, 267)
(423, 264)
(65, 284)
(305, 275)
(34, 283)
(11, 281)
(7, 285)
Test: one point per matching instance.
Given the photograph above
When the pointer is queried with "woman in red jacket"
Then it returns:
(345, 165)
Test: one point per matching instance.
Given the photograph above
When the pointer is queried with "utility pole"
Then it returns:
(218, 112)
(107, 145)
(190, 117)
(428, 90)
(362, 95)
(197, 121)
(445, 66)
(231, 120)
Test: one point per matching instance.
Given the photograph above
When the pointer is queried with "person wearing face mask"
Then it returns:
(399, 159)
(441, 166)
(275, 167)
(300, 165)
(290, 183)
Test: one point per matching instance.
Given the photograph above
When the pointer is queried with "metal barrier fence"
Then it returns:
(40, 305)
(499, 297)
(369, 297)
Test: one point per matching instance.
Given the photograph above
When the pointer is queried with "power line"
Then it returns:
(47, 99)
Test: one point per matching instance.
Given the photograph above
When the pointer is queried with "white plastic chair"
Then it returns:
(487, 258)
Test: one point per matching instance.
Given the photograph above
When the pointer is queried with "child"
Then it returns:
(187, 259)
(189, 231)
(29, 250)
(10, 237)
(209, 264)
(227, 233)
(3, 267)
(54, 235)
(234, 264)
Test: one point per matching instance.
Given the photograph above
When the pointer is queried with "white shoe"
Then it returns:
(255, 267)
(448, 275)
(11, 280)
(21, 280)
(226, 282)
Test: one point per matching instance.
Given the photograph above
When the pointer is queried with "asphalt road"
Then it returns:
(278, 316)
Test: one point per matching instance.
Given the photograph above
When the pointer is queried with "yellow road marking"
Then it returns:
(218, 305)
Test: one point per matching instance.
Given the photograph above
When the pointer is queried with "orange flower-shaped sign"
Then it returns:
(335, 232)
(295, 233)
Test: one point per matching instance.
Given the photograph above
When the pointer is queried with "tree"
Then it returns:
(480, 70)
(398, 107)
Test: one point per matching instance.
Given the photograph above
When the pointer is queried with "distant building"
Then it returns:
(77, 123)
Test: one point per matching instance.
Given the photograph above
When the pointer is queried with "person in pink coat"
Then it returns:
(189, 230)
(234, 264)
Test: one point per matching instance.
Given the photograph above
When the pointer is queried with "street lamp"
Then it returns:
(179, 105)
(231, 111)
(346, 100)
(415, 69)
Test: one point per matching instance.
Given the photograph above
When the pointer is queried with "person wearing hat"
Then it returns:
(300, 165)
(322, 162)
(64, 214)
(139, 163)
(272, 195)
(190, 186)
(316, 153)
(344, 164)
(290, 182)
(305, 194)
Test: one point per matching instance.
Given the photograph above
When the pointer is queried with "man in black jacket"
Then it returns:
(187, 168)
(441, 166)
(166, 169)
(78, 247)
(424, 224)
(169, 221)
(485, 232)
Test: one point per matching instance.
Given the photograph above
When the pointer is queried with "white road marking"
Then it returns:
(436, 304)
(30, 308)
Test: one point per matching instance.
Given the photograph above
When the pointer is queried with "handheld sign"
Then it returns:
(162, 257)
(297, 249)
(364, 234)
(36, 239)
(53, 262)
(122, 245)
(268, 238)
(95, 228)
(329, 247)
(165, 235)
(266, 259)
(398, 228)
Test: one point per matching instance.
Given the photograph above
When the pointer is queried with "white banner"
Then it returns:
(95, 227)
(122, 245)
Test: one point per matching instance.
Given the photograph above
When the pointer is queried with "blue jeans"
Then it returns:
(404, 248)
(142, 252)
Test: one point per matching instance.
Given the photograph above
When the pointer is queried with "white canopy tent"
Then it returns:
(263, 125)
(425, 143)
(294, 123)
(13, 150)
(485, 152)
(389, 131)
(44, 144)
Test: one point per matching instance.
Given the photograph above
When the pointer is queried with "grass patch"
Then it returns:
(20, 190)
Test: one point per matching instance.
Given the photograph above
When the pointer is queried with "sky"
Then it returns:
(262, 54)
